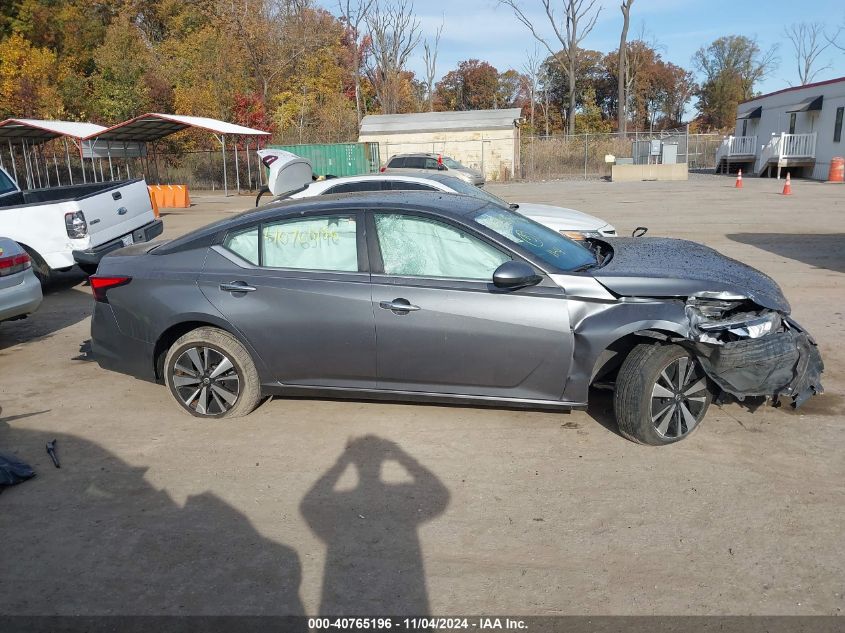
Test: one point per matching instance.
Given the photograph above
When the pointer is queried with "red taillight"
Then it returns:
(383, 169)
(14, 264)
(100, 285)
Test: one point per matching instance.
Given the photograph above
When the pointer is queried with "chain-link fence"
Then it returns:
(587, 156)
(576, 156)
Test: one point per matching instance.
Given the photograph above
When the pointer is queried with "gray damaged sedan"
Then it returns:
(437, 297)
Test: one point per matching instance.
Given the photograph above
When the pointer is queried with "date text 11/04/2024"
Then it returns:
(415, 624)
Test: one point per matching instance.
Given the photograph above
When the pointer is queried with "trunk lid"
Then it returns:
(287, 171)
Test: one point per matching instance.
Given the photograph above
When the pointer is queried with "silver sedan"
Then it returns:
(20, 290)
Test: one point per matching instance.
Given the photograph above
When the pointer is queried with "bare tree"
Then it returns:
(579, 19)
(545, 95)
(807, 44)
(354, 13)
(394, 33)
(833, 40)
(531, 70)
(430, 60)
(622, 103)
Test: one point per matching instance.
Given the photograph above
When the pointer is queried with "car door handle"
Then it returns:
(398, 305)
(237, 286)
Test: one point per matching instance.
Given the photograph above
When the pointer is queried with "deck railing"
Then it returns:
(736, 146)
(798, 145)
(742, 145)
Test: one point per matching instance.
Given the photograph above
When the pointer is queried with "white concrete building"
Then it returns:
(486, 140)
(796, 129)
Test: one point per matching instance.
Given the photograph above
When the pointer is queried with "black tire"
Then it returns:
(652, 405)
(211, 390)
(39, 267)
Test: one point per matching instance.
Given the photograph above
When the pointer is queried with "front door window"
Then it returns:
(419, 247)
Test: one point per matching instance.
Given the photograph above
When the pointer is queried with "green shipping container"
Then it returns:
(337, 159)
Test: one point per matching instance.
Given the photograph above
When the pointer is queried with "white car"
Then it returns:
(77, 224)
(286, 181)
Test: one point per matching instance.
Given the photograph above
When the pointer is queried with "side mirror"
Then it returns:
(441, 167)
(515, 275)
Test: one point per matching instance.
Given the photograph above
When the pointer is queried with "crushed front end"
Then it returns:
(747, 350)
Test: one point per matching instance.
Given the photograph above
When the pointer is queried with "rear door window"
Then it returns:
(397, 163)
(415, 162)
(323, 243)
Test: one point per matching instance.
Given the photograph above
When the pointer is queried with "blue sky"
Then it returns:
(487, 31)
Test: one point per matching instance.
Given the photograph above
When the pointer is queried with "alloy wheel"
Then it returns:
(678, 398)
(205, 381)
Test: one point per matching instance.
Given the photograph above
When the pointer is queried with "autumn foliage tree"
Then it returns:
(28, 79)
(731, 66)
(308, 70)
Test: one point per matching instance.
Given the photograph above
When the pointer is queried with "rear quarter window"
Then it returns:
(244, 244)
(353, 187)
(401, 185)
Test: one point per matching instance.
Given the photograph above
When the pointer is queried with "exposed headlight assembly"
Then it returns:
(744, 325)
(717, 320)
(712, 308)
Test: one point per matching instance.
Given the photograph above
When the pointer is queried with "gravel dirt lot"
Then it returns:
(454, 510)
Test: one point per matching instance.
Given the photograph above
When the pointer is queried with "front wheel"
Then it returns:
(662, 393)
(211, 375)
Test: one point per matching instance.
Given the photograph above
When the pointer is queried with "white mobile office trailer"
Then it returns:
(797, 129)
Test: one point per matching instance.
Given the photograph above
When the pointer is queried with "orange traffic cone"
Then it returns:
(787, 187)
(739, 179)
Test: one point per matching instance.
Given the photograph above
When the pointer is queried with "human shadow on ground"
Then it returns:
(373, 560)
(822, 250)
(95, 538)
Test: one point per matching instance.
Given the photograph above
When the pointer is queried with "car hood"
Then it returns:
(664, 267)
(561, 218)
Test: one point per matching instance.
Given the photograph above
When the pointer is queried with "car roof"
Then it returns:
(407, 175)
(426, 154)
(449, 205)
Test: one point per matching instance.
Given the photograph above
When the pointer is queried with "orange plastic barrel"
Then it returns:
(837, 169)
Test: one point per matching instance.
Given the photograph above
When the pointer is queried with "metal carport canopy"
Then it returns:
(154, 126)
(38, 131)
(30, 134)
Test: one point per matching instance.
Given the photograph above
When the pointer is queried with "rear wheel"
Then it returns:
(39, 267)
(211, 375)
(662, 394)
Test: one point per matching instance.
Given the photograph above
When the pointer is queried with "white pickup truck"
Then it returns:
(77, 224)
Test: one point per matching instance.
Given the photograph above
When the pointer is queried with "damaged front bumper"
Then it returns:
(764, 354)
